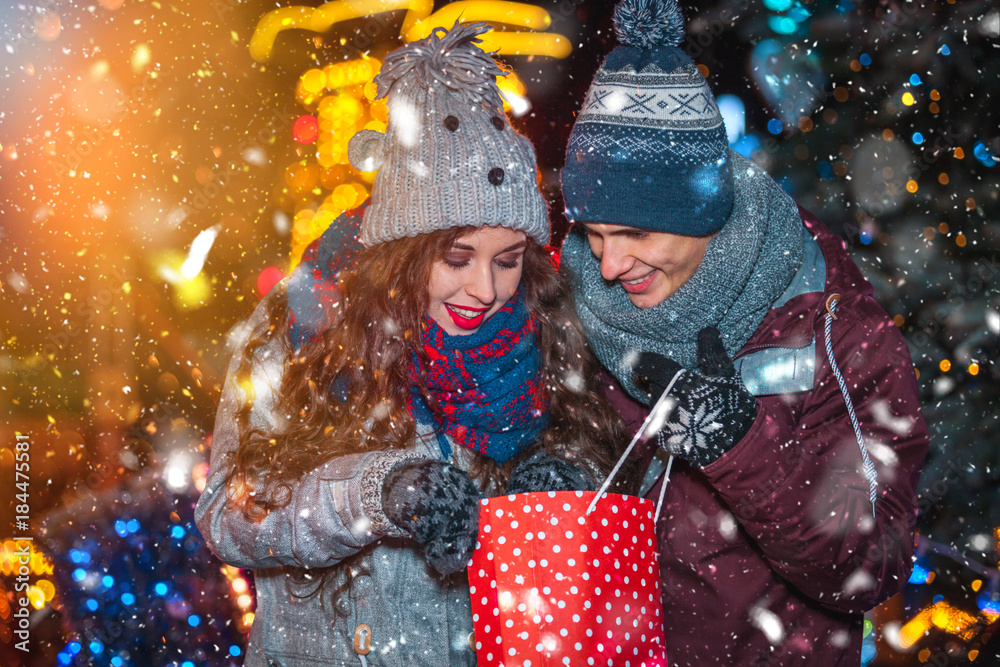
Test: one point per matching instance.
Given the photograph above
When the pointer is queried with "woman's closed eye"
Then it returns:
(457, 261)
(507, 263)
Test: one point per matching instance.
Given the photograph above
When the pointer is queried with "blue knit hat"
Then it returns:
(649, 148)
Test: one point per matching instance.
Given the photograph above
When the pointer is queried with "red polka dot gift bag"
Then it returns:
(571, 577)
(553, 585)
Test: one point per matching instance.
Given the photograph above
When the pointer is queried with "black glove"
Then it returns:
(545, 472)
(438, 505)
(714, 410)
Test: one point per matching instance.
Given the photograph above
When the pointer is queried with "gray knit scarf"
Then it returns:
(746, 267)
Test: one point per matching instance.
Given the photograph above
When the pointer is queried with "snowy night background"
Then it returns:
(156, 178)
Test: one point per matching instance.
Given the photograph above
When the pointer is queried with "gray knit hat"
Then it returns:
(449, 157)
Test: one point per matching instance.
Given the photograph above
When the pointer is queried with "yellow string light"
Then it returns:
(420, 21)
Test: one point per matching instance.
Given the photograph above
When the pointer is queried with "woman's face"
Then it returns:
(476, 277)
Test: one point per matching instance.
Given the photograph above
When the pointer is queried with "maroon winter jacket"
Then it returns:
(770, 555)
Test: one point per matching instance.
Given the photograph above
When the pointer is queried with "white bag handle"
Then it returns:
(650, 427)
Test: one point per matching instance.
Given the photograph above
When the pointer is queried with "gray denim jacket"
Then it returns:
(415, 616)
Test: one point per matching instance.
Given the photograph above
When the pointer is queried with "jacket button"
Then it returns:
(495, 176)
(472, 640)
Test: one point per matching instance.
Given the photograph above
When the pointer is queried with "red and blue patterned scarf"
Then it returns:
(485, 386)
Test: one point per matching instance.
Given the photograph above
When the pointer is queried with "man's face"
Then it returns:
(649, 266)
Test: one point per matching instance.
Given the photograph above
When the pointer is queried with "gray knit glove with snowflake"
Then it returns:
(713, 409)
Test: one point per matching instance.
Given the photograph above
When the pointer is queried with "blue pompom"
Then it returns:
(648, 23)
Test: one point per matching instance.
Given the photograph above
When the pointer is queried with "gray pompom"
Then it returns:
(446, 57)
(648, 23)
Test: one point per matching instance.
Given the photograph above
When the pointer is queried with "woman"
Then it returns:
(360, 430)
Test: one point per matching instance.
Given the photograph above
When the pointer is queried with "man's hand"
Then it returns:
(714, 410)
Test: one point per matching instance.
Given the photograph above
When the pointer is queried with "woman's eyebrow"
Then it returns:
(516, 246)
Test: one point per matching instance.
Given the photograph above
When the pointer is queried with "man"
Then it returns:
(795, 440)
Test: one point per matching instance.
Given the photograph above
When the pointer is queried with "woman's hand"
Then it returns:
(545, 472)
(438, 505)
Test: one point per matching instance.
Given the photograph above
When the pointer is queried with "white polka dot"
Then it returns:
(513, 524)
(499, 513)
(526, 508)
(503, 567)
(517, 551)
(529, 537)
(552, 494)
(555, 548)
(553, 521)
(509, 624)
(511, 651)
(566, 507)
(501, 539)
(538, 507)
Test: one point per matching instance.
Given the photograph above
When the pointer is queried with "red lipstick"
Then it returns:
(462, 320)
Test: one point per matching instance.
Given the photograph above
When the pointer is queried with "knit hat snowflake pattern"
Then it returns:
(649, 147)
(449, 157)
